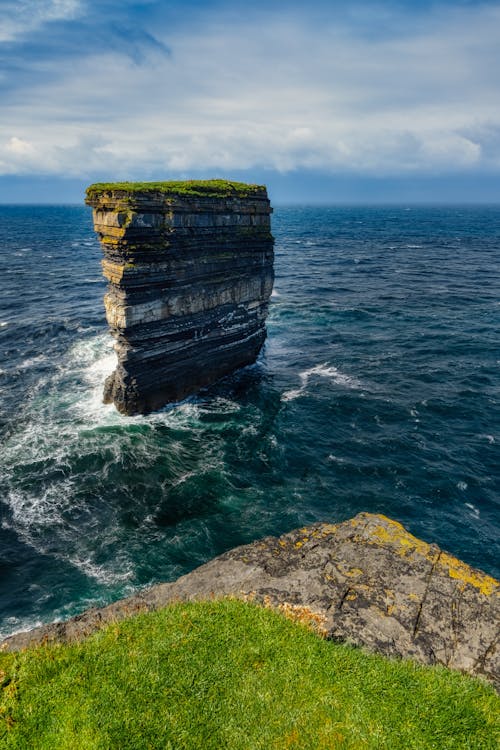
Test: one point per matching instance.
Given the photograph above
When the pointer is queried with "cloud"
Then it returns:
(305, 89)
(18, 146)
(22, 17)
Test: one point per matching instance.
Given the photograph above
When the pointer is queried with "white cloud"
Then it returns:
(19, 17)
(18, 146)
(279, 93)
(448, 148)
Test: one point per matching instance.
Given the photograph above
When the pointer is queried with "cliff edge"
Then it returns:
(366, 581)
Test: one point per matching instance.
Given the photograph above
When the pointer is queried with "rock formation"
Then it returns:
(366, 581)
(190, 272)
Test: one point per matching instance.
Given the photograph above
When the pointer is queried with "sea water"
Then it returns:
(377, 390)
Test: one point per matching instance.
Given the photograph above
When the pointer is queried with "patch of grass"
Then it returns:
(195, 188)
(216, 675)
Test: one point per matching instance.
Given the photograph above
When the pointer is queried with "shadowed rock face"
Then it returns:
(366, 581)
(190, 272)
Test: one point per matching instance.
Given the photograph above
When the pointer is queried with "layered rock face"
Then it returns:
(190, 272)
(366, 581)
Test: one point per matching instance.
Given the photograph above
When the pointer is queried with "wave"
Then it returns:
(69, 445)
(472, 508)
(324, 371)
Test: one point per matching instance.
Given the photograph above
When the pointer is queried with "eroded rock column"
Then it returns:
(190, 272)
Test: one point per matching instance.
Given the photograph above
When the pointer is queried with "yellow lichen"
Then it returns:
(109, 232)
(395, 535)
(327, 529)
(305, 538)
(403, 543)
(353, 572)
(466, 576)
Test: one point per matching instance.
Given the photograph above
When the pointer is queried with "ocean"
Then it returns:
(378, 390)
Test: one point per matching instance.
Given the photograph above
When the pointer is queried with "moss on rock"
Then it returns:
(187, 188)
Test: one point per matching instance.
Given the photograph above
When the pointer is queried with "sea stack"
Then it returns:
(190, 272)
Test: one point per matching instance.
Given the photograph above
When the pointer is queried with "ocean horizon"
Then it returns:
(377, 390)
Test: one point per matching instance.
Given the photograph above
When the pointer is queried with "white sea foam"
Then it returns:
(491, 440)
(42, 522)
(322, 371)
(52, 434)
(15, 625)
(462, 486)
(275, 293)
(100, 369)
(336, 459)
(32, 362)
(40, 510)
(250, 429)
(473, 509)
(101, 573)
(4, 323)
(91, 361)
(292, 394)
(220, 405)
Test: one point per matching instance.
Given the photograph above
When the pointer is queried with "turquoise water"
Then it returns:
(378, 389)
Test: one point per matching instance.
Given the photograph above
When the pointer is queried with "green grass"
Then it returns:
(195, 188)
(231, 675)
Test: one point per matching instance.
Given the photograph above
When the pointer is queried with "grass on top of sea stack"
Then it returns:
(194, 188)
(229, 674)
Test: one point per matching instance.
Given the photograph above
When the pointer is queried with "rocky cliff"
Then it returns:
(366, 581)
(190, 272)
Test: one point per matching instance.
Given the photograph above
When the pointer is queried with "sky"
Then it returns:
(322, 101)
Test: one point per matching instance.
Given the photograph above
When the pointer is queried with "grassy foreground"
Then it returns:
(231, 675)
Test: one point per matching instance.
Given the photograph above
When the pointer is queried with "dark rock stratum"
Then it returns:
(366, 581)
(190, 272)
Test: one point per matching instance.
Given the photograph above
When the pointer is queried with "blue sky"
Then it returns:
(323, 101)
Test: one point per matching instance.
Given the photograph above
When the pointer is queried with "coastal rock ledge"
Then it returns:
(190, 272)
(366, 581)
